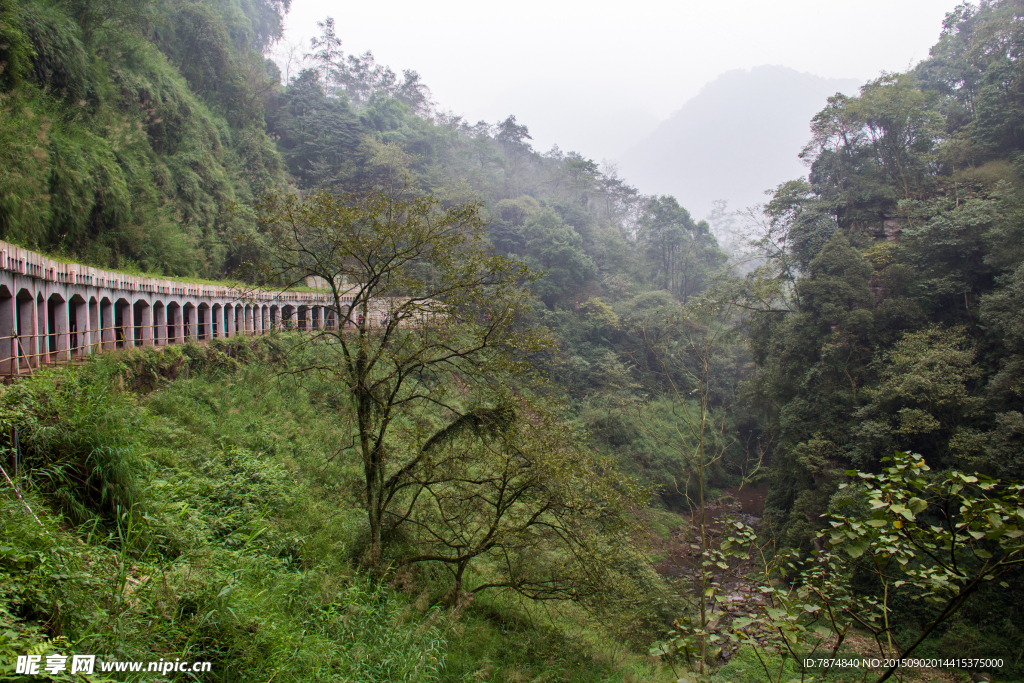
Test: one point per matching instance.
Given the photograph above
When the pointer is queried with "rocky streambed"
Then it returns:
(735, 598)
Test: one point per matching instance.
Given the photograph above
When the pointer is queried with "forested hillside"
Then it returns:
(607, 361)
(893, 322)
(147, 138)
(887, 314)
(147, 132)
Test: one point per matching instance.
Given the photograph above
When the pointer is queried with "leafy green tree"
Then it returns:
(844, 172)
(577, 176)
(684, 255)
(519, 499)
(922, 400)
(836, 295)
(446, 324)
(327, 55)
(949, 247)
(363, 77)
(902, 129)
(797, 225)
(318, 135)
(512, 138)
(941, 536)
(869, 152)
(556, 249)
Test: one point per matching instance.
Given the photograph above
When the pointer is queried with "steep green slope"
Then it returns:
(132, 135)
(212, 519)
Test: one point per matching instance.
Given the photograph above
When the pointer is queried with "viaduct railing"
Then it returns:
(52, 312)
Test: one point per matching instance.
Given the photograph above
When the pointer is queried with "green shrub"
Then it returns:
(74, 434)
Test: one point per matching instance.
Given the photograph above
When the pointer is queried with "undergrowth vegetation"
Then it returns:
(192, 503)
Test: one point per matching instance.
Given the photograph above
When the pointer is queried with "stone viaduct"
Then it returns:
(53, 312)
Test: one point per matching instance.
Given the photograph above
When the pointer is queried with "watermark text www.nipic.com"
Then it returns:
(37, 665)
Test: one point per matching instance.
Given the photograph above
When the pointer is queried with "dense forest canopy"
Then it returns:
(875, 306)
(902, 254)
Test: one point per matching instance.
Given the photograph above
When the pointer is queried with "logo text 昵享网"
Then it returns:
(53, 664)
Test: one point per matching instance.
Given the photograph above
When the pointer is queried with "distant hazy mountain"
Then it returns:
(738, 137)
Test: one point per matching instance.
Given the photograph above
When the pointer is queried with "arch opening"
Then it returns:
(216, 317)
(8, 332)
(78, 326)
(188, 316)
(175, 333)
(93, 337)
(142, 329)
(56, 328)
(26, 325)
(203, 322)
(123, 333)
(159, 323)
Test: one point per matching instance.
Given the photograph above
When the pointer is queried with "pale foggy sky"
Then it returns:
(596, 76)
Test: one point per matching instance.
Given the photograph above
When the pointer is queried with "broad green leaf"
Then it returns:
(857, 547)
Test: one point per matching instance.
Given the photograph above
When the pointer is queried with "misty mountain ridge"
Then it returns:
(738, 137)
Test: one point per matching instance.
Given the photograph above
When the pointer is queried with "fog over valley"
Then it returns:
(656, 89)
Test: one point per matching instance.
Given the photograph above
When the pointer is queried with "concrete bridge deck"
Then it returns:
(53, 312)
